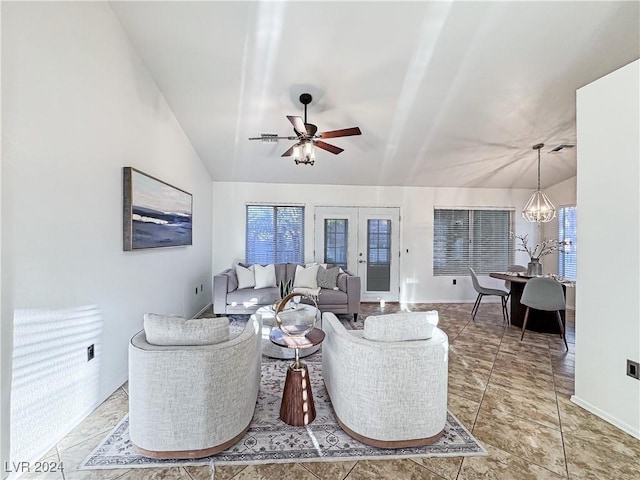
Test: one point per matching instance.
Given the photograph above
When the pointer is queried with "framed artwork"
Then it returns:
(156, 214)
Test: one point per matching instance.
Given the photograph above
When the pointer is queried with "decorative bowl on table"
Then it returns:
(295, 318)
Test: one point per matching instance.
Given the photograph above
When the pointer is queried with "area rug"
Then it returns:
(269, 440)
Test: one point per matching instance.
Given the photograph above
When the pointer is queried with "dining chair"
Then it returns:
(542, 293)
(515, 268)
(484, 291)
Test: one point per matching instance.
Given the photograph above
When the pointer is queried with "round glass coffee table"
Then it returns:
(297, 407)
(272, 350)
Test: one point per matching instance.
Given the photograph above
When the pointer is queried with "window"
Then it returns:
(275, 234)
(336, 234)
(472, 238)
(378, 255)
(567, 233)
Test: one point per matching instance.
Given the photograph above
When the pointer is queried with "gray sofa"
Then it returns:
(229, 299)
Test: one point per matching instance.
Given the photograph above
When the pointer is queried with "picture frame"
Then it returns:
(155, 213)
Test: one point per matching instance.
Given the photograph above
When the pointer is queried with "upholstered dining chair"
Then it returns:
(515, 268)
(544, 294)
(484, 291)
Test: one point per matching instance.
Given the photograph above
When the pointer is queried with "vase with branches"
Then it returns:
(537, 251)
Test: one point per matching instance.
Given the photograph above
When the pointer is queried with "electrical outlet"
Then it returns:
(201, 286)
(633, 369)
(455, 281)
(91, 352)
(196, 290)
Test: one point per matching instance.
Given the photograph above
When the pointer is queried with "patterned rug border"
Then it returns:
(197, 462)
(467, 444)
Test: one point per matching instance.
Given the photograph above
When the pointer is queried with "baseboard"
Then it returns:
(456, 300)
(197, 315)
(606, 417)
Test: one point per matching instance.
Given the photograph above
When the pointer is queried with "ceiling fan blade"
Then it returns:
(289, 152)
(327, 147)
(298, 124)
(345, 132)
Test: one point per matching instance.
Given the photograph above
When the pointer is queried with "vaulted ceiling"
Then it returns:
(450, 94)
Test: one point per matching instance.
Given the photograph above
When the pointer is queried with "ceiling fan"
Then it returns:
(307, 137)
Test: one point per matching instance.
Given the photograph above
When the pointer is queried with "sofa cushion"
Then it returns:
(341, 281)
(281, 273)
(265, 276)
(332, 297)
(246, 276)
(397, 327)
(253, 296)
(175, 330)
(232, 280)
(306, 277)
(328, 277)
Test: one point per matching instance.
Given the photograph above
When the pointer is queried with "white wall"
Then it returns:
(78, 105)
(607, 301)
(416, 208)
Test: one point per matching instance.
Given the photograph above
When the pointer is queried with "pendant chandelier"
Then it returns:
(539, 208)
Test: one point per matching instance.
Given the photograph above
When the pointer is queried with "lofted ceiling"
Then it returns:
(449, 94)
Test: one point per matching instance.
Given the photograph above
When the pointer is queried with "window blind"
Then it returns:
(472, 238)
(274, 234)
(567, 229)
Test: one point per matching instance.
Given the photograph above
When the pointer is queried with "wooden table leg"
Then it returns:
(297, 406)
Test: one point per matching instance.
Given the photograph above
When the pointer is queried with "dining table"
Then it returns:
(539, 320)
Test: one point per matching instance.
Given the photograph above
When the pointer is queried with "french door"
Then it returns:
(366, 242)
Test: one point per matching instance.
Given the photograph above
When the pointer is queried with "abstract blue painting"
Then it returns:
(156, 214)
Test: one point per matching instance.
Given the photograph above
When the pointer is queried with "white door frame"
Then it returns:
(357, 218)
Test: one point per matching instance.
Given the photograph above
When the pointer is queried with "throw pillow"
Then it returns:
(175, 330)
(246, 276)
(397, 327)
(265, 276)
(327, 277)
(306, 277)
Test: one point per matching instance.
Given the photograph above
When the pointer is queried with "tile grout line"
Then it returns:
(564, 448)
(483, 395)
(475, 419)
(312, 473)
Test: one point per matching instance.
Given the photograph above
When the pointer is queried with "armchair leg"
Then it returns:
(524, 324)
(355, 317)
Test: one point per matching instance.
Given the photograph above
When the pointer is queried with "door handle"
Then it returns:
(362, 261)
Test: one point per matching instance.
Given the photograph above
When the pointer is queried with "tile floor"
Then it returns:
(514, 396)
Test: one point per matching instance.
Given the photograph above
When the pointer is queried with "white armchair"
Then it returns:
(195, 397)
(388, 390)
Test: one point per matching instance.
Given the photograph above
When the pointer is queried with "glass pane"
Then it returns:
(567, 228)
(450, 242)
(476, 238)
(491, 244)
(275, 234)
(335, 241)
(378, 255)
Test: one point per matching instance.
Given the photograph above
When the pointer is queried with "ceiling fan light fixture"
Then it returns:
(539, 209)
(304, 153)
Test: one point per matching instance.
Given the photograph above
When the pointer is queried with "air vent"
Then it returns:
(560, 147)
